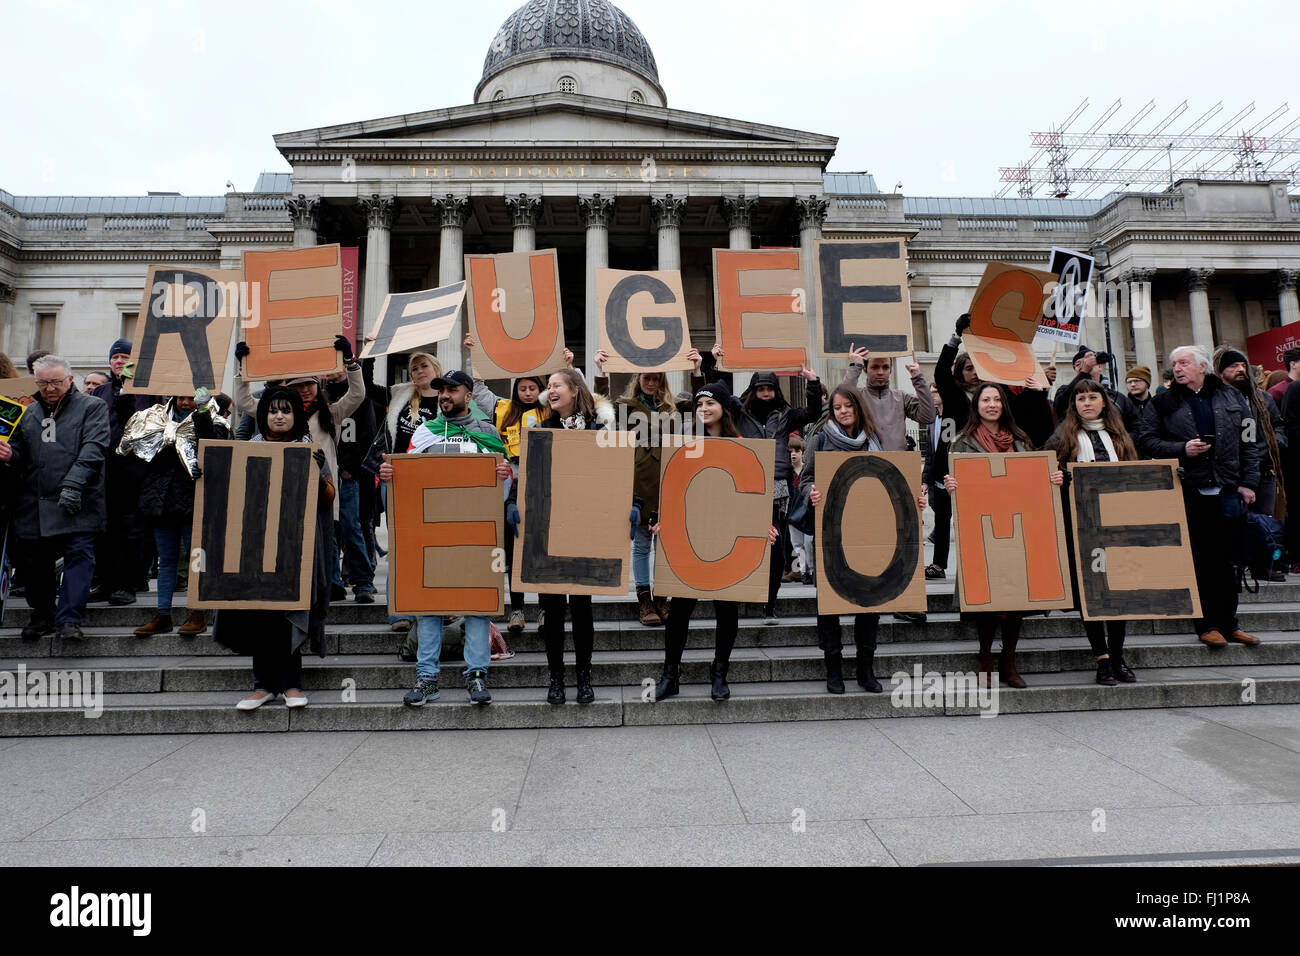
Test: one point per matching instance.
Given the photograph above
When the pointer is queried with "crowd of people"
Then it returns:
(102, 479)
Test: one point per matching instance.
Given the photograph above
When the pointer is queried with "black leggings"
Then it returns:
(584, 631)
(679, 623)
(1106, 637)
(986, 627)
(865, 627)
(277, 671)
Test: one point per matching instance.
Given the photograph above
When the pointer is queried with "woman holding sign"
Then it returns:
(573, 407)
(992, 429)
(714, 414)
(1093, 430)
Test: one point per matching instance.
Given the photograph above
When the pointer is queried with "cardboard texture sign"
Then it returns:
(183, 331)
(448, 535)
(411, 320)
(642, 320)
(295, 313)
(254, 525)
(575, 494)
(1004, 318)
(1009, 532)
(514, 313)
(862, 297)
(715, 510)
(756, 301)
(10, 413)
(1133, 558)
(869, 564)
(23, 387)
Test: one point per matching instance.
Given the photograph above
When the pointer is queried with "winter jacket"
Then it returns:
(784, 419)
(829, 439)
(890, 408)
(956, 400)
(167, 491)
(73, 457)
(123, 473)
(647, 454)
(1169, 425)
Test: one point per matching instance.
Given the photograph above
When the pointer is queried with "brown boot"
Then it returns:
(649, 616)
(161, 624)
(194, 624)
(661, 608)
(985, 674)
(1007, 664)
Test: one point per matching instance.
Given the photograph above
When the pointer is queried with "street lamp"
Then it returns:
(1098, 250)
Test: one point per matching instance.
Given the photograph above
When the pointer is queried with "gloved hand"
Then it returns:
(634, 519)
(343, 345)
(963, 323)
(128, 370)
(512, 516)
(242, 351)
(319, 456)
(70, 501)
(201, 396)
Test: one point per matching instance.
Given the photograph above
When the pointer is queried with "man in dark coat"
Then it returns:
(56, 460)
(1201, 421)
(1086, 365)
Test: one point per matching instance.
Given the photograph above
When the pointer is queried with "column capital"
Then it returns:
(1198, 280)
(524, 208)
(596, 210)
(739, 210)
(1141, 274)
(305, 211)
(811, 210)
(380, 211)
(454, 209)
(1287, 280)
(667, 210)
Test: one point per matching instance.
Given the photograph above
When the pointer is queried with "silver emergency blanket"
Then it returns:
(150, 431)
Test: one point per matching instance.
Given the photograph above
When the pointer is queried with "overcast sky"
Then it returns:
(119, 98)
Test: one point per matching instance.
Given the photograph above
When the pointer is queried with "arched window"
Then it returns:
(567, 84)
(636, 96)
(498, 95)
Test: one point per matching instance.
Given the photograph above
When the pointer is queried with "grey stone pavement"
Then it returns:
(1194, 786)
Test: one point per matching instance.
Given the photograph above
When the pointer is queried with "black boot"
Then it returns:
(667, 686)
(1104, 676)
(866, 669)
(556, 694)
(718, 675)
(834, 672)
(585, 692)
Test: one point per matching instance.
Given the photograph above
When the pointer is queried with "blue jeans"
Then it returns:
(478, 646)
(169, 538)
(642, 547)
(357, 569)
(35, 560)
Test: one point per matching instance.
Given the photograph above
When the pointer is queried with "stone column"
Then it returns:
(1198, 281)
(380, 211)
(1286, 295)
(524, 209)
(451, 268)
(667, 213)
(812, 213)
(597, 213)
(739, 211)
(305, 211)
(1144, 330)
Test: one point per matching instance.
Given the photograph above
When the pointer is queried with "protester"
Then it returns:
(41, 353)
(572, 407)
(993, 430)
(889, 407)
(1269, 430)
(54, 461)
(1138, 382)
(1166, 380)
(1200, 421)
(1088, 366)
(124, 551)
(7, 369)
(1291, 362)
(166, 437)
(934, 452)
(92, 381)
(275, 638)
(801, 542)
(714, 406)
(654, 414)
(850, 429)
(1093, 430)
(355, 486)
(455, 431)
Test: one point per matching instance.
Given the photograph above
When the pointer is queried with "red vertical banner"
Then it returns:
(348, 258)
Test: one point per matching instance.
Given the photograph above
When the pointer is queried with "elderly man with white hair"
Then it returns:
(1208, 426)
(56, 462)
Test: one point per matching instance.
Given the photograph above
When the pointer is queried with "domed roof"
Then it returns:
(586, 29)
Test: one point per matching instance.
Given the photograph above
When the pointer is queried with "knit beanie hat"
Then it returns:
(1140, 371)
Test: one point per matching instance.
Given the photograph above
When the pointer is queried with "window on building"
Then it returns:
(921, 330)
(499, 95)
(567, 84)
(45, 330)
(637, 96)
(128, 324)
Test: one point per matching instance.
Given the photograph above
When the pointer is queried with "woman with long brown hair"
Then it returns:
(992, 429)
(1093, 430)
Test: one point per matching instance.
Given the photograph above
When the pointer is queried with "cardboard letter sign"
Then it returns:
(1004, 318)
(182, 335)
(867, 565)
(254, 525)
(862, 297)
(10, 413)
(755, 296)
(448, 529)
(715, 510)
(513, 305)
(642, 320)
(23, 387)
(575, 494)
(295, 313)
(1010, 533)
(1132, 554)
(410, 320)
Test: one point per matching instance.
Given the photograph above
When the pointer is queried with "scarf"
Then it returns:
(994, 443)
(1086, 451)
(841, 442)
(488, 442)
(574, 421)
